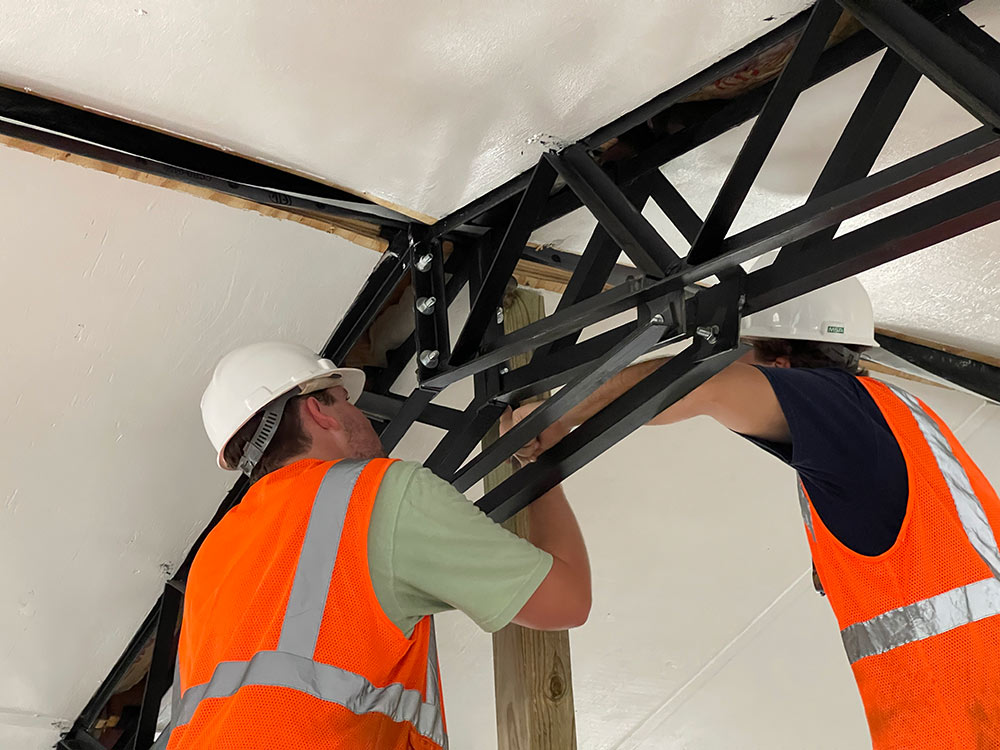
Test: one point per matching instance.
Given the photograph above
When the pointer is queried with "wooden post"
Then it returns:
(531, 668)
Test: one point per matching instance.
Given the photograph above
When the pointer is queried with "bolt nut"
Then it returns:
(429, 358)
(656, 320)
(709, 333)
(424, 262)
(504, 370)
(499, 315)
(425, 305)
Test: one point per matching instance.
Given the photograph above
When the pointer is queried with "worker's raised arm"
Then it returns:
(562, 600)
(740, 398)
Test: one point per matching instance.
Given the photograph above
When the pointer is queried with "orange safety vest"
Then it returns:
(921, 621)
(283, 644)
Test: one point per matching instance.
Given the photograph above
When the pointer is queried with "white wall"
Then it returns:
(117, 300)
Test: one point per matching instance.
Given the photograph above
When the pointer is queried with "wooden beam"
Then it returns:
(358, 232)
(531, 668)
(957, 351)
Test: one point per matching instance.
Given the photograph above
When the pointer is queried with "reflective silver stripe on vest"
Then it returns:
(311, 584)
(970, 510)
(291, 665)
(923, 619)
(323, 681)
(804, 507)
(952, 609)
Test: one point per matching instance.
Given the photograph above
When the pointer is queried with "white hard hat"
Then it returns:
(839, 313)
(248, 379)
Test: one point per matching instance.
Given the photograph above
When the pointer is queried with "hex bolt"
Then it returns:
(499, 315)
(504, 370)
(709, 333)
(424, 262)
(656, 320)
(429, 358)
(425, 305)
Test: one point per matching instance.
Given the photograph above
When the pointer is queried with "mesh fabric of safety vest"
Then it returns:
(921, 689)
(235, 607)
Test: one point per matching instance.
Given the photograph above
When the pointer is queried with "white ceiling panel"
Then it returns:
(426, 104)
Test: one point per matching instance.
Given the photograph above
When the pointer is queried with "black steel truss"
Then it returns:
(665, 293)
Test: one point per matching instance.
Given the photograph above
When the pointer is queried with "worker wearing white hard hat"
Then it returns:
(901, 524)
(307, 608)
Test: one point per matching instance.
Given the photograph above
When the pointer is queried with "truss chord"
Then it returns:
(636, 407)
(935, 220)
(972, 82)
(543, 374)
(924, 169)
(733, 114)
(810, 223)
(667, 315)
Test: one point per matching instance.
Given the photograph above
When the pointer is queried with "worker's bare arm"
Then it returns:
(740, 398)
(562, 600)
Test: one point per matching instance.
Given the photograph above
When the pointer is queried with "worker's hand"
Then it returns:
(549, 436)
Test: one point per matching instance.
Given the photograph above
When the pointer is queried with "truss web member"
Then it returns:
(901, 523)
(307, 611)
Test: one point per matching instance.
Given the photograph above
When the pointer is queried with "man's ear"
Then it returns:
(312, 410)
(782, 362)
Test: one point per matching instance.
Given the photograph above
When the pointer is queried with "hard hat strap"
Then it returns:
(269, 421)
(839, 353)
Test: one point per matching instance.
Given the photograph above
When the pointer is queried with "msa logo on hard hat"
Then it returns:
(833, 328)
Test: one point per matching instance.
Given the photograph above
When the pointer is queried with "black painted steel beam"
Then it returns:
(456, 446)
(731, 114)
(161, 666)
(636, 407)
(618, 216)
(928, 223)
(385, 407)
(866, 133)
(674, 206)
(378, 287)
(31, 118)
(972, 81)
(919, 171)
(410, 412)
(666, 317)
(594, 269)
(502, 265)
(555, 258)
(759, 142)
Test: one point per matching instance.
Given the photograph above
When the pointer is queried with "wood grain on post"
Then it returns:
(531, 668)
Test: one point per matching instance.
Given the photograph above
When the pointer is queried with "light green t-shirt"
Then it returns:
(430, 550)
